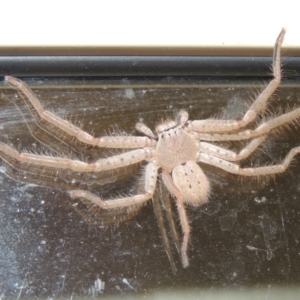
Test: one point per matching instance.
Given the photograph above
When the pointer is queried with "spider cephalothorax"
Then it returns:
(176, 149)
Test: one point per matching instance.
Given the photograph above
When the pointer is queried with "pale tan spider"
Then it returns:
(176, 149)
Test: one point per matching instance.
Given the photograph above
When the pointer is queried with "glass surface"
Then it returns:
(245, 240)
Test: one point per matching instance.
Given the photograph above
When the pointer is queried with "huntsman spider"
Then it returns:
(175, 150)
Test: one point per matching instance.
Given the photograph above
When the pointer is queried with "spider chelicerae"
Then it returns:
(173, 150)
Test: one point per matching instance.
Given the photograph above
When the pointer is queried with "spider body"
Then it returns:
(176, 154)
(175, 147)
(175, 150)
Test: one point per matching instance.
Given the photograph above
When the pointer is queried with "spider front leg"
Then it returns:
(65, 130)
(150, 184)
(220, 126)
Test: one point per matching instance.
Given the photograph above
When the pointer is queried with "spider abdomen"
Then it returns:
(174, 148)
(192, 183)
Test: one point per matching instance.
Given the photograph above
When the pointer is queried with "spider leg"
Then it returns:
(42, 179)
(141, 127)
(257, 171)
(167, 179)
(94, 215)
(212, 125)
(150, 184)
(166, 203)
(46, 133)
(103, 164)
(159, 198)
(63, 179)
(66, 130)
(182, 117)
(262, 129)
(230, 155)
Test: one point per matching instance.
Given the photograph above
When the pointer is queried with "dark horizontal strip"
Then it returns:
(143, 66)
(144, 50)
